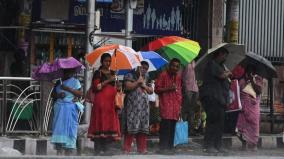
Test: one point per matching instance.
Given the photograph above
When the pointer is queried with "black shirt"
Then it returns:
(213, 86)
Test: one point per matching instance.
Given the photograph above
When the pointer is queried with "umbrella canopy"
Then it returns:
(48, 71)
(154, 59)
(161, 42)
(123, 57)
(235, 56)
(175, 47)
(263, 67)
(42, 72)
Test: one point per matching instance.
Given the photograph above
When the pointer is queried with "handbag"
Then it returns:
(234, 97)
(80, 107)
(119, 100)
(181, 133)
(152, 97)
(90, 95)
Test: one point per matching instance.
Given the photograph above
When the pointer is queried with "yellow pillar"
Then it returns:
(233, 32)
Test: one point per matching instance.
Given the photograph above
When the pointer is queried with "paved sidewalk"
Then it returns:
(42, 146)
(145, 157)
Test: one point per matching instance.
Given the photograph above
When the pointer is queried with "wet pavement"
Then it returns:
(191, 149)
(181, 152)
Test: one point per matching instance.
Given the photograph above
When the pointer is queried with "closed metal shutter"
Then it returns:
(261, 28)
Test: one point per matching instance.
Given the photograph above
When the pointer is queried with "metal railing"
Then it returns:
(22, 107)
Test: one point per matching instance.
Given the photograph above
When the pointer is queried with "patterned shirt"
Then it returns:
(170, 102)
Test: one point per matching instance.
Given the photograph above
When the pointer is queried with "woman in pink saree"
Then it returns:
(249, 117)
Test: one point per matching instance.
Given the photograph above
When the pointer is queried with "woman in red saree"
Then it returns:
(104, 124)
(248, 119)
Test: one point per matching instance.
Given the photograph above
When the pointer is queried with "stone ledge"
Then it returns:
(42, 145)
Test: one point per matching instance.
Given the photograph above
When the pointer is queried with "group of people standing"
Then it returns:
(105, 125)
(178, 95)
(214, 96)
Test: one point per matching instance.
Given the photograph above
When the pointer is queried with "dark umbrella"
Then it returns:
(48, 71)
(263, 67)
(236, 55)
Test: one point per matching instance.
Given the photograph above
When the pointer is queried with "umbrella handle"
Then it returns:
(226, 69)
(116, 79)
(115, 66)
(140, 73)
(115, 62)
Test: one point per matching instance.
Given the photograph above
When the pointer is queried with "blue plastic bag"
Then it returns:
(181, 133)
(80, 106)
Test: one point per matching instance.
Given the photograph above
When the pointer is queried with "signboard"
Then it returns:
(78, 11)
(104, 1)
(150, 17)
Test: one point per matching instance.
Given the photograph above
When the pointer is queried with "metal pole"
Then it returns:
(42, 109)
(1, 111)
(271, 97)
(4, 107)
(89, 48)
(128, 23)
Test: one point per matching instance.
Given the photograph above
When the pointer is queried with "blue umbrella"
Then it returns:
(123, 72)
(155, 60)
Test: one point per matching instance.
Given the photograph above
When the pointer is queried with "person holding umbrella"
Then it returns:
(65, 119)
(247, 127)
(66, 107)
(214, 95)
(168, 87)
(104, 123)
(250, 73)
(136, 109)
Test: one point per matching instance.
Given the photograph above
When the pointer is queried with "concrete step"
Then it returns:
(42, 146)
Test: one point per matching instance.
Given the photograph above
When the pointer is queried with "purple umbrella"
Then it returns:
(53, 71)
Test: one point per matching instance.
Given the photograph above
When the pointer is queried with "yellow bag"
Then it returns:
(90, 96)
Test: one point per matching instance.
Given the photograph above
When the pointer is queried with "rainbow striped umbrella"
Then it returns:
(175, 47)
